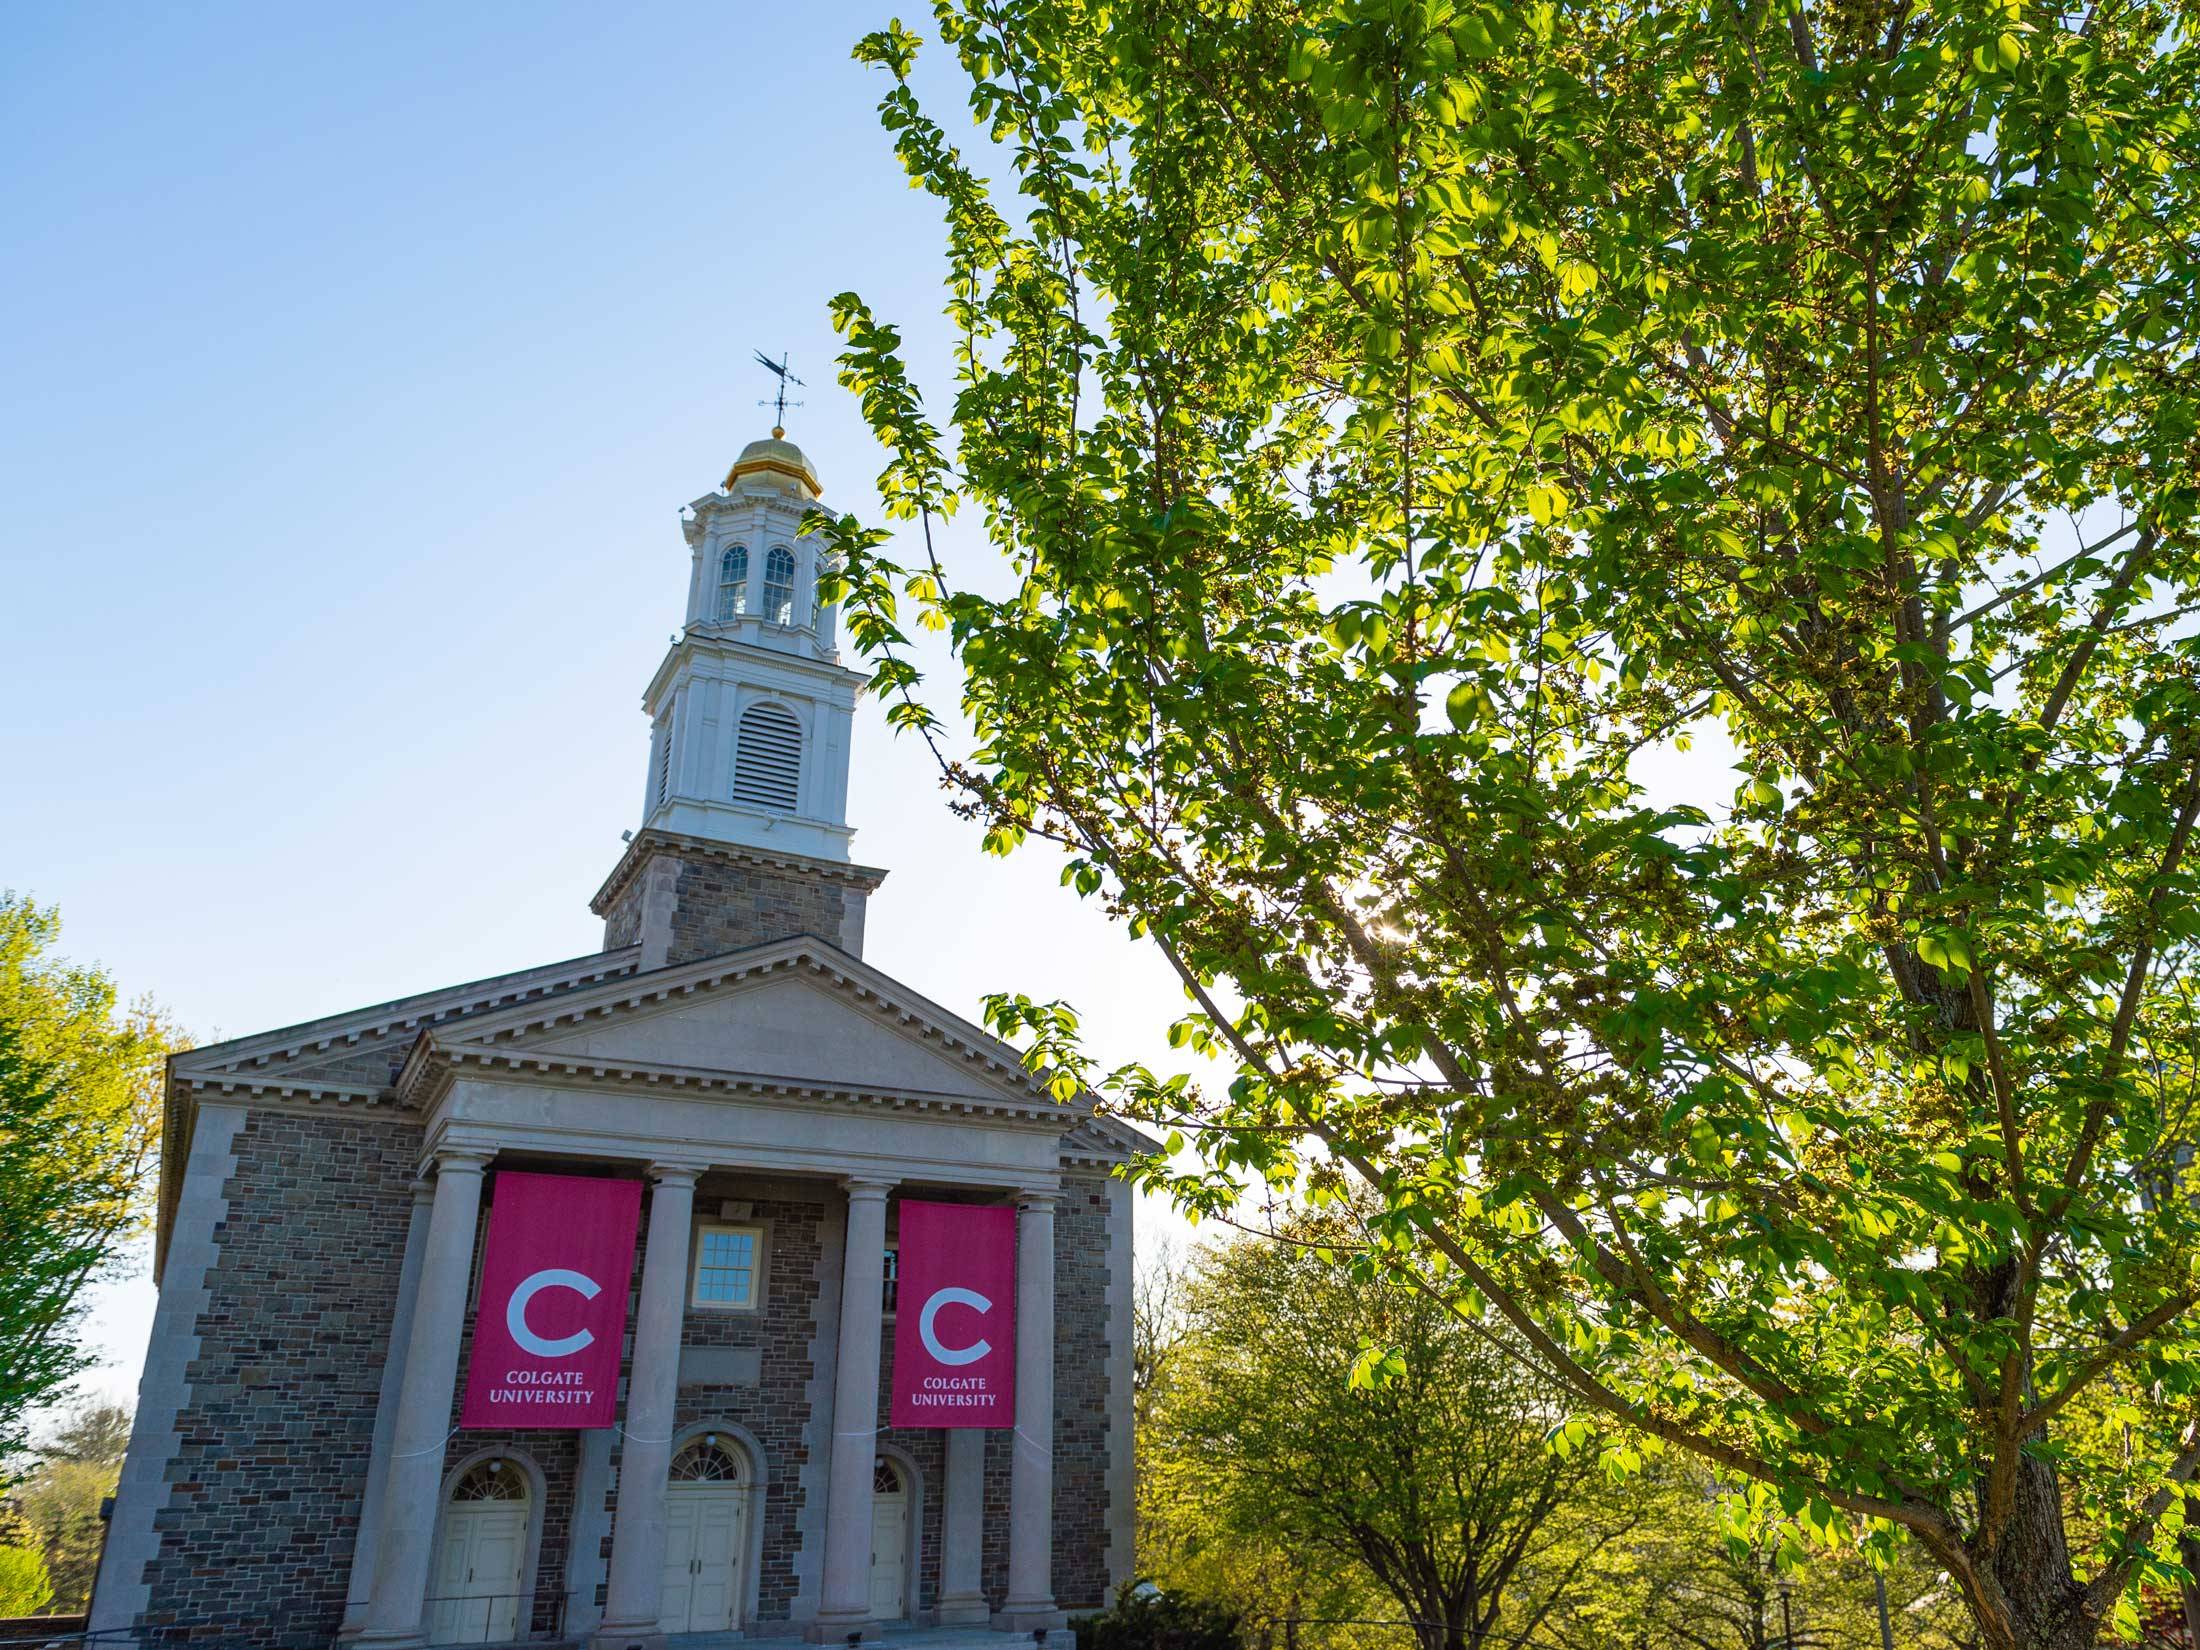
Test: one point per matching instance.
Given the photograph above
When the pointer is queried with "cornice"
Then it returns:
(747, 661)
(651, 841)
(309, 1090)
(1100, 1141)
(402, 1014)
(434, 1066)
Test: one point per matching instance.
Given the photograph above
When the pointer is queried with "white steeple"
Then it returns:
(751, 710)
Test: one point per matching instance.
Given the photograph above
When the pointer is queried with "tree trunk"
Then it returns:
(2027, 1598)
(2188, 1554)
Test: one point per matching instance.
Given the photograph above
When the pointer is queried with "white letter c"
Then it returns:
(515, 1313)
(952, 1297)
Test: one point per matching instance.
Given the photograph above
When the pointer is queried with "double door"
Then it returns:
(477, 1582)
(706, 1540)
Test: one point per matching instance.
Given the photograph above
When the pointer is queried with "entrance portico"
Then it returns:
(522, 1090)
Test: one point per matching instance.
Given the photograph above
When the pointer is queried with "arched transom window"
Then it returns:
(767, 760)
(491, 1481)
(733, 582)
(885, 1477)
(779, 585)
(707, 1461)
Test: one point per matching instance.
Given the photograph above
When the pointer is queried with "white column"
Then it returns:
(364, 1544)
(403, 1554)
(652, 1385)
(962, 1530)
(1031, 1469)
(844, 1599)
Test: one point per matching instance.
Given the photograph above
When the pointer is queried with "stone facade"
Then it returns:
(264, 1492)
(264, 1489)
(680, 898)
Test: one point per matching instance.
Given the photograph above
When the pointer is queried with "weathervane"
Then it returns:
(779, 403)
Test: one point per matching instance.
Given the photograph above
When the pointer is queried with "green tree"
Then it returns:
(55, 1508)
(1401, 426)
(1186, 1541)
(24, 1589)
(1323, 1413)
(1713, 1567)
(95, 1433)
(79, 1130)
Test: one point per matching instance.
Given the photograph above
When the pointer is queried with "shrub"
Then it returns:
(25, 1588)
(1149, 1620)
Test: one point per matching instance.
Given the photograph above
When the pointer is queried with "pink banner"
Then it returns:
(955, 1317)
(553, 1302)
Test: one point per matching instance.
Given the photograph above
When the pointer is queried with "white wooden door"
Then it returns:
(889, 1545)
(706, 1543)
(676, 1599)
(721, 1543)
(477, 1573)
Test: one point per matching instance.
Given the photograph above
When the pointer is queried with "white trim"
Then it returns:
(120, 1594)
(703, 1229)
(773, 1137)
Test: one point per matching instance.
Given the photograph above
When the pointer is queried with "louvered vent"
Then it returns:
(767, 766)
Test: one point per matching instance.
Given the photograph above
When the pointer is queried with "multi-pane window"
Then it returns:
(726, 1266)
(779, 585)
(893, 1278)
(733, 582)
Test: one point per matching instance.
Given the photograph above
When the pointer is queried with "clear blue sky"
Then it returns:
(358, 359)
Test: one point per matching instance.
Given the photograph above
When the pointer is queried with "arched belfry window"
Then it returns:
(733, 582)
(767, 761)
(779, 585)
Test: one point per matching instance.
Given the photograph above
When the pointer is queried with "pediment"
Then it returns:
(802, 1015)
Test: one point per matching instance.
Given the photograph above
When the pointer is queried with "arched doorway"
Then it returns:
(481, 1557)
(890, 1509)
(706, 1537)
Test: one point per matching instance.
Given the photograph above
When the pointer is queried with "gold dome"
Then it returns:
(778, 456)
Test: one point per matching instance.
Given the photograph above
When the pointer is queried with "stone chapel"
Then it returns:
(299, 1475)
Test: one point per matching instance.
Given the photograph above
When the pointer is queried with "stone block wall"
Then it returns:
(1081, 1393)
(702, 900)
(264, 1490)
